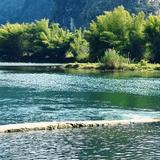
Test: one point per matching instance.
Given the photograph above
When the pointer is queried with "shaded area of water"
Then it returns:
(123, 142)
(34, 97)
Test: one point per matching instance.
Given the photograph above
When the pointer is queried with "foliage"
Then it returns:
(47, 43)
(79, 48)
(113, 60)
(130, 35)
(120, 30)
(110, 30)
(10, 41)
(143, 62)
(152, 32)
(137, 47)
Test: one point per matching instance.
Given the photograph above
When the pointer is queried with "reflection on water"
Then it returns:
(123, 142)
(33, 97)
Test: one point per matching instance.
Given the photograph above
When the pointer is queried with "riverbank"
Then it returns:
(125, 67)
(82, 66)
(71, 124)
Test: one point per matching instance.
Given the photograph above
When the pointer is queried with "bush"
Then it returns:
(112, 60)
(143, 62)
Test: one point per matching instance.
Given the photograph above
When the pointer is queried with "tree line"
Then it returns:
(131, 36)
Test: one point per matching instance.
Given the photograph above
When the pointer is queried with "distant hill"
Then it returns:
(68, 12)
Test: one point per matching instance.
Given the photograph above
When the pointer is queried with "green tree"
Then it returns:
(34, 48)
(10, 41)
(79, 48)
(46, 42)
(110, 30)
(152, 34)
(56, 42)
(137, 44)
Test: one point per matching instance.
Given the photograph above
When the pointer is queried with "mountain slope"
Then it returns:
(68, 12)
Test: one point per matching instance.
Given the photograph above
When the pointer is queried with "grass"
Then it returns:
(125, 66)
(138, 66)
(113, 60)
(83, 66)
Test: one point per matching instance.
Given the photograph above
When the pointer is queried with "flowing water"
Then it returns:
(33, 96)
(115, 143)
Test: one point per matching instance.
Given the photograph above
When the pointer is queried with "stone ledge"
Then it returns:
(25, 127)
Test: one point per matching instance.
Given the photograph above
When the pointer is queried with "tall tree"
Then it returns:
(79, 48)
(110, 30)
(152, 32)
(137, 43)
(10, 41)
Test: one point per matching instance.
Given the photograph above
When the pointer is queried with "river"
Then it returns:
(34, 96)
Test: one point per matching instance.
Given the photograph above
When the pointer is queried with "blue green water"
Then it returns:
(34, 97)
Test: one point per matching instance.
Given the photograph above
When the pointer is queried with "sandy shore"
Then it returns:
(70, 124)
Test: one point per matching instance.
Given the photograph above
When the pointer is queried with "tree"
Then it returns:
(44, 42)
(137, 44)
(79, 48)
(34, 48)
(152, 34)
(10, 41)
(110, 30)
(57, 42)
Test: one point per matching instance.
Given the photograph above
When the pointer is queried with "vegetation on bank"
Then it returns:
(116, 39)
(100, 66)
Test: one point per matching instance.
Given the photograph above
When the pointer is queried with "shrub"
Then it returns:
(143, 62)
(112, 60)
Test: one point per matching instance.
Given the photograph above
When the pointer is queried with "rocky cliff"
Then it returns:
(68, 12)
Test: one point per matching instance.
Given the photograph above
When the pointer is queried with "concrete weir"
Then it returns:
(31, 66)
(25, 127)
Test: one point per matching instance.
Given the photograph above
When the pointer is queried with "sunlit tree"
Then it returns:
(110, 30)
(10, 41)
(79, 48)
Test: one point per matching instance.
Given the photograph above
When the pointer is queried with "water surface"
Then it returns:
(138, 142)
(35, 96)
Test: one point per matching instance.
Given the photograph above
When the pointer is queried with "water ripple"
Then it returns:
(125, 142)
(34, 97)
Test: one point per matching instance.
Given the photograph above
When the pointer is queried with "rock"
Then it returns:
(68, 13)
(25, 127)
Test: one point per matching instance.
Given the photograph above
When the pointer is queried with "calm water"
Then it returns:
(33, 96)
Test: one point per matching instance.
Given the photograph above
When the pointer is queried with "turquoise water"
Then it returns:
(34, 97)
